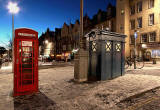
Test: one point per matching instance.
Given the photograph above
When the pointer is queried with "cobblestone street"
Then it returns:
(136, 90)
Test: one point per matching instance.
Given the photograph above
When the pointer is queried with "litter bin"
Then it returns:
(106, 54)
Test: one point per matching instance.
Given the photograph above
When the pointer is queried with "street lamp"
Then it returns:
(13, 9)
(135, 53)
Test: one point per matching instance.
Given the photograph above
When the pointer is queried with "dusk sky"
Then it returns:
(41, 14)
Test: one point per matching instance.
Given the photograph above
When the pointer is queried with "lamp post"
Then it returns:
(13, 9)
(81, 25)
(135, 53)
(81, 57)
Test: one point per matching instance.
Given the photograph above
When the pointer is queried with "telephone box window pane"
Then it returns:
(27, 70)
(27, 60)
(26, 66)
(26, 82)
(27, 49)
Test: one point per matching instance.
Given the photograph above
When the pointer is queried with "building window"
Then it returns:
(151, 4)
(132, 10)
(151, 19)
(152, 37)
(144, 38)
(132, 39)
(139, 6)
(139, 22)
(132, 24)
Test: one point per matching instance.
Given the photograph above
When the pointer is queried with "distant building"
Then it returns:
(47, 43)
(66, 39)
(142, 16)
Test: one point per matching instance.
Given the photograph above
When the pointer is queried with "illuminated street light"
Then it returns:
(13, 9)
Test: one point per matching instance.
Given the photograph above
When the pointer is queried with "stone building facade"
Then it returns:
(47, 43)
(141, 16)
(66, 39)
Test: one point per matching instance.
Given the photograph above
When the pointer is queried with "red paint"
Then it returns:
(25, 62)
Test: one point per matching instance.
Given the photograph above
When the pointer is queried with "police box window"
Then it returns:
(144, 38)
(152, 37)
(139, 6)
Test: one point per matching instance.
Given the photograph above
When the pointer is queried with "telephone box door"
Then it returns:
(26, 65)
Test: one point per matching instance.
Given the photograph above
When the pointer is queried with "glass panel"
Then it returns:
(26, 82)
(108, 46)
(118, 47)
(27, 49)
(94, 46)
(27, 76)
(27, 60)
(26, 65)
(26, 71)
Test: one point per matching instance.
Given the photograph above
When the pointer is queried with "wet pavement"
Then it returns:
(136, 90)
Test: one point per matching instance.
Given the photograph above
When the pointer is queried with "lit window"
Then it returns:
(151, 4)
(132, 10)
(108, 46)
(144, 38)
(94, 46)
(152, 37)
(139, 22)
(139, 6)
(151, 19)
(132, 24)
(118, 47)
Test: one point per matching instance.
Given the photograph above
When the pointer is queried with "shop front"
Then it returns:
(150, 51)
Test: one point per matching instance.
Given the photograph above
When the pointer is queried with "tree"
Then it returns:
(2, 51)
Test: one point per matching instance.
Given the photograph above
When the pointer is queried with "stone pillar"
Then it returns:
(81, 58)
(81, 66)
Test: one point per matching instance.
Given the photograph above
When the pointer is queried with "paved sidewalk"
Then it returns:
(59, 92)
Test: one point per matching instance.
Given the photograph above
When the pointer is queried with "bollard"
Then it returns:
(154, 61)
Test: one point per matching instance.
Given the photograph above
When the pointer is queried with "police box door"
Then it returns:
(26, 66)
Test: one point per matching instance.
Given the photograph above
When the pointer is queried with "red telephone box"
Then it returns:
(25, 61)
